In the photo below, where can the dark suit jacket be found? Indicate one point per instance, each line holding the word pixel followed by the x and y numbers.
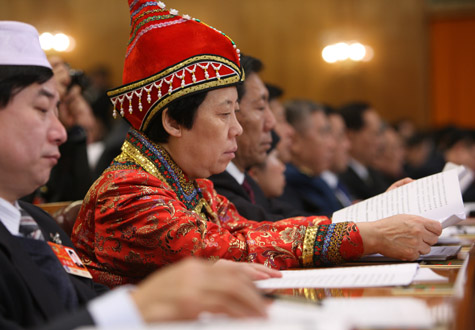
pixel 263 210
pixel 27 299
pixel 309 194
pixel 360 189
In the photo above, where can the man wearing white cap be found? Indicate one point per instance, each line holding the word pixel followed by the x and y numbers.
pixel 35 287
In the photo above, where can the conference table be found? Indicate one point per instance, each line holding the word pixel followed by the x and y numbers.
pixel 447 308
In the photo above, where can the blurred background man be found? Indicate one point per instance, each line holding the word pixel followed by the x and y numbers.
pixel 364 130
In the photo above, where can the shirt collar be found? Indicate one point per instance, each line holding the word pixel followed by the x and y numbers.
pixel 235 172
pixel 10 216
pixel 359 168
pixel 330 178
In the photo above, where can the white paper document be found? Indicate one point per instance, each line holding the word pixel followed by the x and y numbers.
pixel 437 253
pixel 344 277
pixel 380 312
pixel 334 314
pixel 465 175
pixel 428 275
pixel 435 197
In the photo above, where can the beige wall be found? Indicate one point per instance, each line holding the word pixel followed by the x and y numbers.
pixel 287 35
pixel 100 27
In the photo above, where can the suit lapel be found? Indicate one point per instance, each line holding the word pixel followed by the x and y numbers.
pixel 83 286
pixel 259 196
pixel 227 181
pixel 41 290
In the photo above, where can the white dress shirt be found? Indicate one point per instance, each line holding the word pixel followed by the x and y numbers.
pixel 235 173
pixel 332 181
pixel 359 168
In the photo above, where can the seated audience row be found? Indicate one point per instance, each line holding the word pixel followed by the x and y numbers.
pixel 154 206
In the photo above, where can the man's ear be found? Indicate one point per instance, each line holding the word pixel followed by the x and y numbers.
pixel 296 146
pixel 170 125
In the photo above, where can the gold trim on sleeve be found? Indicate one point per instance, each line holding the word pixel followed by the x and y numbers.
pixel 308 246
pixel 334 255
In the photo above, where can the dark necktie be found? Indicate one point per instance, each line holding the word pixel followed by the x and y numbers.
pixel 42 254
pixel 341 195
pixel 247 187
pixel 28 227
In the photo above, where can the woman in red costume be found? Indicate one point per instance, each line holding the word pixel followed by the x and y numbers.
pixel 153 205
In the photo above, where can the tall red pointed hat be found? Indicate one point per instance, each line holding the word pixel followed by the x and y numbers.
pixel 170 56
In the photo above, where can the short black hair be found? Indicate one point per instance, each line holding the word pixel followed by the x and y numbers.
pixel 418 138
pixel 274 91
pixel 14 78
pixel 329 110
pixel 449 136
pixel 250 65
pixel 297 112
pixel 353 113
pixel 182 110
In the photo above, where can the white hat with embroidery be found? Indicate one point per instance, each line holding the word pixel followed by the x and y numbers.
pixel 20 45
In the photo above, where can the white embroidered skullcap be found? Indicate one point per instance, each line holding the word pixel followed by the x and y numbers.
pixel 20 45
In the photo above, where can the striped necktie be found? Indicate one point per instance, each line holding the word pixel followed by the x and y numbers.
pixel 247 187
pixel 28 227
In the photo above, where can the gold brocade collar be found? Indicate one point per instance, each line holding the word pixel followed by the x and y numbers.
pixel 154 159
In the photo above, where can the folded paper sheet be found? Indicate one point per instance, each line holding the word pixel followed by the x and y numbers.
pixel 436 197
pixel 344 277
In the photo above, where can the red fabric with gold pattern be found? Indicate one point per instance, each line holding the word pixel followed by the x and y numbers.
pixel 139 217
pixel 170 56
pixel 352 243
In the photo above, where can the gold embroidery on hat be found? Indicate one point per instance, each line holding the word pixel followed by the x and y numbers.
pixel 142 83
pixel 151 113
pixel 167 76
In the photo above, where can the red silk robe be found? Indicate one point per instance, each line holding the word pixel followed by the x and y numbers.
pixel 144 213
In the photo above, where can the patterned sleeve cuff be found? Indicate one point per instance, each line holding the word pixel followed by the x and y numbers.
pixel 308 245
pixel 351 247
pixel 331 244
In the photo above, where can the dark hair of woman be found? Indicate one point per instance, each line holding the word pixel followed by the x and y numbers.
pixel 14 78
pixel 182 110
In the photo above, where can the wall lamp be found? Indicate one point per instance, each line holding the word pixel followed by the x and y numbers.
pixel 344 51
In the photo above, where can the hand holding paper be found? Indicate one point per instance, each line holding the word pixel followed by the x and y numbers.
pixel 400 218
pixel 402 237
pixel 436 197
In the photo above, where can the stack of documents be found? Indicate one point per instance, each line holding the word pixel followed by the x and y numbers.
pixel 436 197
pixel 344 277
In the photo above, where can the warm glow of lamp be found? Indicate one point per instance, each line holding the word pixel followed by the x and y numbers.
pixel 357 51
pixel 60 42
pixel 369 54
pixel 329 55
pixel 343 51
pixel 46 41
